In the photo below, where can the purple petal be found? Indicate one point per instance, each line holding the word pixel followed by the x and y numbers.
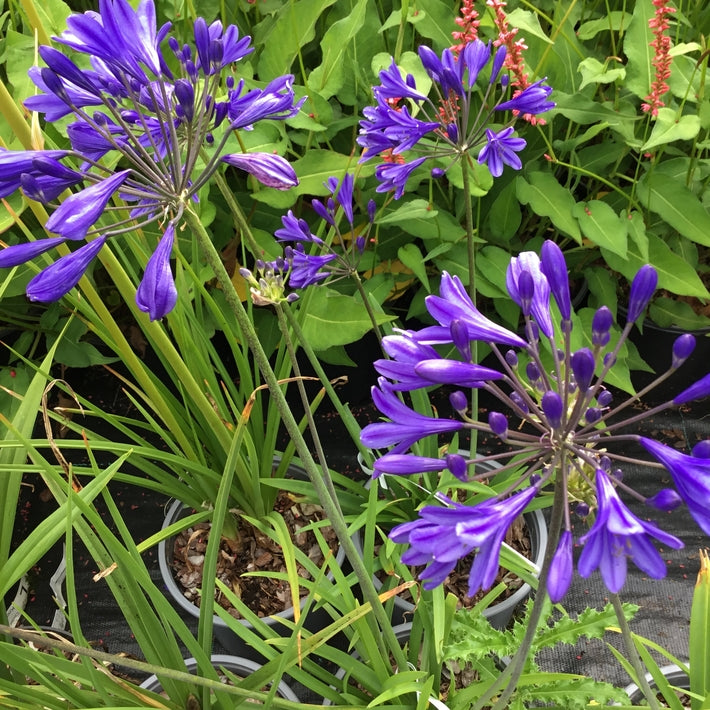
pixel 20 253
pixel 156 294
pixel 270 170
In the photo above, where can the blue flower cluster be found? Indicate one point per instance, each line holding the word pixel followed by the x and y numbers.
pixel 563 437
pixel 453 124
pixel 160 121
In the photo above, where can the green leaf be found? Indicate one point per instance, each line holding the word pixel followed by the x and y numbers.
pixel 610 22
pixel 637 232
pixel 637 47
pixel 547 198
pixel 411 256
pixel 413 210
pixel 594 72
pixel 328 78
pixel 674 273
pixel 667 312
pixel 335 319
pixel 668 128
pixel 675 204
pixel 581 109
pixel 284 35
pixel 601 225
pixel 505 215
pixel 529 23
pixel 437 22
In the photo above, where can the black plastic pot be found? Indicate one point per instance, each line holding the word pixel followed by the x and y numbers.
pixel 241 667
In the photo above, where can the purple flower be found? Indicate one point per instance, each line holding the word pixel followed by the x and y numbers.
pixel 15 164
pixel 296 230
pixel 270 170
pixel 642 289
pixel 529 262
pixel 697 390
pixel 561 568
pixel 552 264
pixel 501 149
pixel 156 294
pixel 60 277
pixel 405 426
pixel 450 372
pixel 20 253
pixel 691 476
pixel 393 176
pixel 443 536
pixel 275 101
pixel 306 269
pixel 454 303
pixel 392 86
pixel 533 100
pixel 73 218
pixel 405 353
pixel 617 534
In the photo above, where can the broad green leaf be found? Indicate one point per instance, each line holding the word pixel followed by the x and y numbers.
pixel 637 47
pixel 20 51
pixel 602 287
pixel 440 226
pixel 581 109
pixel 594 72
pixel 411 256
pixel 327 78
pixel 412 210
pixel 636 230
pixel 335 319
pixel 437 23
pixel 504 216
pixel 674 273
pixel 529 23
pixel 675 204
pixel 547 198
pixel 53 15
pixel 668 128
pixel 492 264
pixel 601 225
pixel 481 180
pixel 610 22
pixel 286 34
pixel 667 312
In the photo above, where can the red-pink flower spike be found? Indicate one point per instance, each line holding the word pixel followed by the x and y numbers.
pixel 468 22
pixel 514 58
pixel 661 44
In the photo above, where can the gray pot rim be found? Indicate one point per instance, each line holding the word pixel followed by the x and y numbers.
pixel 174 510
pixel 235 664
pixel 670 672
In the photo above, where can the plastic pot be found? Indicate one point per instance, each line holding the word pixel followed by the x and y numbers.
pixel 673 674
pixel 241 667
pixel 316 618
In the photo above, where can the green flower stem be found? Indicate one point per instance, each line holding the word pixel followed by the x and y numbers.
pixel 510 676
pixel 314 474
pixel 343 411
pixel 632 653
pixel 471 249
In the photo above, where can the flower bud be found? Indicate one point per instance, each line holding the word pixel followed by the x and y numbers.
pixel 519 402
pixel 582 362
pixel 601 326
pixel 532 371
pixel 553 265
pixel 605 463
pixel 682 349
pixel 552 407
pixel 642 289
pixel 666 499
pixel 560 575
pixel 511 357
pixel 592 415
pixel 459 337
pixel 604 398
pixel 459 401
pixel 701 450
pixel 582 509
pixel 499 424
pixel 437 173
pixel 526 291
pixel 458 465
pixel 696 391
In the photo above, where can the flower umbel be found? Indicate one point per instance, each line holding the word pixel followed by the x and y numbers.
pixel 159 121
pixel 555 417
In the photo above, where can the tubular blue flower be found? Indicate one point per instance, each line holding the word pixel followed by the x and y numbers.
pixel 15 164
pixel 583 364
pixel 447 372
pixel 443 536
pixel 399 464
pixel 343 193
pixel 533 100
pixel 500 149
pixel 683 347
pixel 697 390
pixel 394 87
pixel 60 277
pixel 296 230
pixel 306 269
pixel 447 71
pixel 616 534
pixel 691 477
pixel 552 264
pixel 454 303
pixel 156 294
pixel 393 176
pixel 642 289
pixel 20 253
pixel 275 102
pixel 601 326
pixel 405 353
pixel 270 170
pixel 561 568
pixel 551 404
pixel 73 218
pixel 529 261
pixel 405 426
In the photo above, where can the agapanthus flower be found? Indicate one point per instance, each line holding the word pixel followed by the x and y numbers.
pixel 556 417
pixel 153 117
pixel 454 123
pixel 314 258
